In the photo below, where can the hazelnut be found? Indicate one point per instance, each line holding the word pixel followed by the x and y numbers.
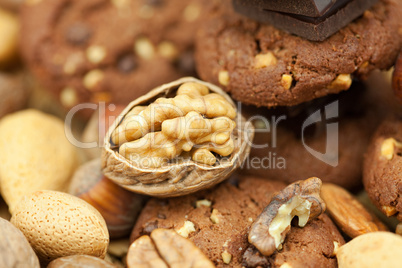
pixel 215 216
pixel 301 199
pixel 83 261
pixel 117 206
pixel 165 248
pixel 13 93
pixel 42 152
pixel 15 249
pixel 57 224
pixel 165 140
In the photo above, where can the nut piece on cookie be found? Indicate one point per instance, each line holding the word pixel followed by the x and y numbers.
pixel 348 213
pixel 388 148
pixel 187 129
pixel 165 248
pixel 301 199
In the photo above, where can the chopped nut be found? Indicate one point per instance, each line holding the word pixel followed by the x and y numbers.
pixel 146 12
pixel 144 48
pixel 204 202
pixel 93 78
pixel 187 229
pixel 101 97
pixel 164 248
pixel 120 3
pixel 72 62
pixel 168 50
pixel 215 216
pixel 341 82
pixel 285 265
pixel 301 199
pixel 265 60
pixel 96 54
pixel 32 2
pixel 336 248
pixel 348 213
pixel 224 78
pixel 68 97
pixel 226 257
pixel 192 12
pixel 389 210
pixel 388 148
pixel 364 64
pixel 286 81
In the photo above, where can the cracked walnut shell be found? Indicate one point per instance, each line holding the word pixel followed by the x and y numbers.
pixel 179 138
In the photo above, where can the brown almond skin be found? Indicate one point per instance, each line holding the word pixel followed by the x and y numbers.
pixel 117 206
pixel 397 78
pixel 348 213
pixel 80 261
pixel 15 251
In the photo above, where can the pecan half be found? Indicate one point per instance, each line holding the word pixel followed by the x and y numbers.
pixel 166 248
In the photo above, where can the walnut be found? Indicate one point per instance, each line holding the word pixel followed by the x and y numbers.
pixel 301 199
pixel 177 139
pixel 165 248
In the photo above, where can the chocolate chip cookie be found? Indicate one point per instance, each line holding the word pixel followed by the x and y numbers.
pixel 112 51
pixel 332 149
pixel 264 66
pixel 383 168
pixel 218 222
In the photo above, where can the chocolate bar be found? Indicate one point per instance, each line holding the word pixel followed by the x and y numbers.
pixel 320 28
pixel 310 8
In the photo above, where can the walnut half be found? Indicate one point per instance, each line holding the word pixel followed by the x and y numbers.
pixel 165 248
pixel 301 199
pixel 179 138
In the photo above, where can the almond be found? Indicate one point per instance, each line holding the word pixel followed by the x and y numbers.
pixel 348 213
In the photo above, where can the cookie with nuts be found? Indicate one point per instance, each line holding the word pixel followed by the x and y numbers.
pixel 283 147
pixel 218 222
pixel 264 66
pixel 382 176
pixel 110 51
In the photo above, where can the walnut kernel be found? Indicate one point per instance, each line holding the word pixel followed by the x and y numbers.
pixel 301 199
